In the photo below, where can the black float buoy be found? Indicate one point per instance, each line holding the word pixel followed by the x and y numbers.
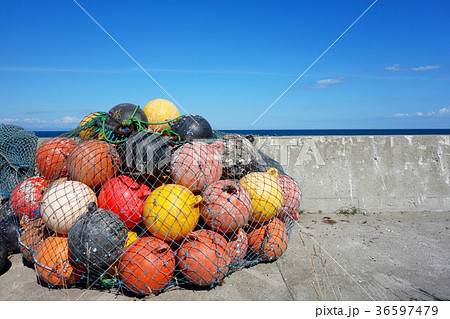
pixel 3 254
pixel 120 113
pixel 145 154
pixel 8 229
pixel 97 238
pixel 123 111
pixel 192 127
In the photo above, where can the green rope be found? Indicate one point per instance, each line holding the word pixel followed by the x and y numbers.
pixel 128 122
pixel 211 140
pixel 139 125
pixel 132 120
pixel 90 124
pixel 108 281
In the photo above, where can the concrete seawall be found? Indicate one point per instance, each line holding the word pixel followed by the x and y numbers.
pixel 372 173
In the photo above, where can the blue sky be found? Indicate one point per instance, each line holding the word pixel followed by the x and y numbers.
pixel 228 61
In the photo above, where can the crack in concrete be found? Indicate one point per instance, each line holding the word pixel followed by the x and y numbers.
pixel 285 282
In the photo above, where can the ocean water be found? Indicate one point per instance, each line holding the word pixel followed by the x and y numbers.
pixel 315 132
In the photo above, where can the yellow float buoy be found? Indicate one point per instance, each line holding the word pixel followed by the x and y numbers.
pixel 158 111
pixel 88 132
pixel 265 193
pixel 132 236
pixel 171 211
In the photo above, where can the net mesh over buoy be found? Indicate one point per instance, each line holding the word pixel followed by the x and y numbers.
pixel 142 211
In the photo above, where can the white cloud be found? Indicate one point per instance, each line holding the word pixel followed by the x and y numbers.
pixel 323 84
pixel 406 115
pixel 442 112
pixel 425 68
pixel 393 68
pixel 34 120
pixel 67 120
pixel 8 120
pixel 397 68
pixel 41 122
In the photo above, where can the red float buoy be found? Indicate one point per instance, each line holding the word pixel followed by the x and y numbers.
pixel 26 196
pixel 125 197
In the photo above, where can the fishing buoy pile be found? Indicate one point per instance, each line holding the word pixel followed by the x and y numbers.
pixel 144 199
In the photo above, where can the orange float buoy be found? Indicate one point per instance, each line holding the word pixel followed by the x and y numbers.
pixel 93 162
pixel 268 241
pixel 51 157
pixel 292 196
pixel 226 206
pixel 54 263
pixel 237 247
pixel 203 257
pixel 147 266
pixel 196 165
pixel 34 232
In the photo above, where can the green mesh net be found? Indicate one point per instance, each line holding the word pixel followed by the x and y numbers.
pixel 117 204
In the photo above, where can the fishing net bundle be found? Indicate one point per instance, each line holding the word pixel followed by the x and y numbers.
pixel 140 206
pixel 17 150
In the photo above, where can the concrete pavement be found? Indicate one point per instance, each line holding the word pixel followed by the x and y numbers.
pixel 375 256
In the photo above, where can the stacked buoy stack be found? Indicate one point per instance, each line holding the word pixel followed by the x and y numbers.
pixel 144 199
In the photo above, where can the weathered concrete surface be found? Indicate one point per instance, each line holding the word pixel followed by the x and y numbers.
pixel 372 173
pixel 377 256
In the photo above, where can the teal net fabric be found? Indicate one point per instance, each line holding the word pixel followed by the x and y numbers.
pixel 17 152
